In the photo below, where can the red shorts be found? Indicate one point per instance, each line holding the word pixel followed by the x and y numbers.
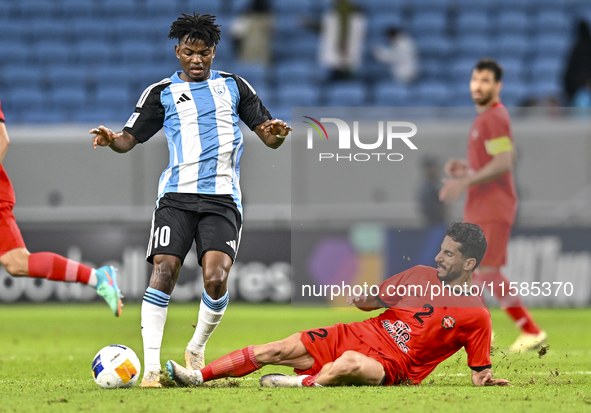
pixel 327 344
pixel 497 237
pixel 10 235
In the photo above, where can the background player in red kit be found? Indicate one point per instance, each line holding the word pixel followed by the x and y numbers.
pixel 19 262
pixel 402 345
pixel 491 200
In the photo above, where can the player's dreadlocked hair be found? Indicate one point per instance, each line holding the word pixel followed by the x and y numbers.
pixel 471 238
pixel 196 27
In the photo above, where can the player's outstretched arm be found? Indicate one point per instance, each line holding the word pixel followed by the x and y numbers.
pixel 485 378
pixel 119 142
pixel 273 132
pixel 364 302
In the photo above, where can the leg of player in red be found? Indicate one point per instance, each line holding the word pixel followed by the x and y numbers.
pixel 489 273
pixel 15 258
pixel 351 368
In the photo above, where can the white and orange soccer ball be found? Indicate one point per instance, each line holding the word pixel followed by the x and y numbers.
pixel 115 366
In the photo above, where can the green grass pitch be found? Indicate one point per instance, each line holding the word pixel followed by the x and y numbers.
pixel 46 352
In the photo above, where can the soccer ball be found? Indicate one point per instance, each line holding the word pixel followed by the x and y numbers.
pixel 115 366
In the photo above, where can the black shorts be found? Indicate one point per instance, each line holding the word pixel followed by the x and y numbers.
pixel 212 221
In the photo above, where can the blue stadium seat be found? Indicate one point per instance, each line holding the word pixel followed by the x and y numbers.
pixel 460 70
pixel 239 6
pixel 391 94
pixel 511 6
pixel 378 24
pixel 12 31
pixel 439 6
pixel 134 52
pixel 546 69
pixel 298 96
pixel 67 76
pixel 99 115
pixel 553 4
pixel 256 75
pixel 514 94
pixel 131 29
pixel 472 22
pixel 304 47
pixel 553 22
pixel 471 5
pixel 513 69
pixel 460 94
pixel 115 98
pixel 84 28
pixel 202 6
pixel 19 76
pixel 91 52
pixel 434 69
pixel 474 46
pixel 547 89
pixel 346 94
pixel 298 72
pixel 512 46
pixel 511 22
pixel 115 8
pixel 552 45
pixel 36 8
pixel 50 52
pixel 377 7
pixel 434 46
pixel 76 8
pixel 23 97
pixel 112 75
pixel 67 98
pixel 431 94
pixel 45 115
pixel 428 22
pixel 13 52
pixel 44 29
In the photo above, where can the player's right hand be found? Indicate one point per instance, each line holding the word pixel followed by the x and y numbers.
pixel 456 168
pixel 103 136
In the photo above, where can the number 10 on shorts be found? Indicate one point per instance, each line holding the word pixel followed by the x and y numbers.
pixel 162 236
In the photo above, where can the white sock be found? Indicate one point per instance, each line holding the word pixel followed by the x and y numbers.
pixel 210 315
pixel 154 310
pixel 92 280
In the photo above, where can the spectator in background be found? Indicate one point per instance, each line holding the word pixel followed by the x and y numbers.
pixel 434 211
pixel 579 63
pixel 252 33
pixel 342 36
pixel 401 54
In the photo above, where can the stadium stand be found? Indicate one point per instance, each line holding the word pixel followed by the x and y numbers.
pixel 53 51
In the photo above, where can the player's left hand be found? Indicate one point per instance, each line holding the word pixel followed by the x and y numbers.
pixel 489 381
pixel 452 189
pixel 276 127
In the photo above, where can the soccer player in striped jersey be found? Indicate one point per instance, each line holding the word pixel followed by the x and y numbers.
pixel 199 196
pixel 491 200
pixel 19 262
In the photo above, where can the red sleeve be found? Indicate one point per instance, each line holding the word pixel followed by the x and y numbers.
pixel 1 113
pixel 477 342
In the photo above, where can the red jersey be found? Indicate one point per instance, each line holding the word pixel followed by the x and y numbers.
pixel 420 332
pixel 6 191
pixel 495 200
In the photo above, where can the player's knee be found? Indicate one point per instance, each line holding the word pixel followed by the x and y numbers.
pixel 215 280
pixel 349 364
pixel 13 267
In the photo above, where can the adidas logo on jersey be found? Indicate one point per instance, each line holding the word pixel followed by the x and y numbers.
pixel 183 98
pixel 232 244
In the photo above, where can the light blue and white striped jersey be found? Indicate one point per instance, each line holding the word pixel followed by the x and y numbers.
pixel 200 121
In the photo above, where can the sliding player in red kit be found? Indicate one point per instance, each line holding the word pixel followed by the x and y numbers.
pixel 19 262
pixel 430 316
pixel 491 200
